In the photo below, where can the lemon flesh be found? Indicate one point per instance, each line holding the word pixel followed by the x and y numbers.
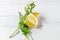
pixel 31 21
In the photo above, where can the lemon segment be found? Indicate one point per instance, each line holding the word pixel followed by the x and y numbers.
pixel 35 14
pixel 31 21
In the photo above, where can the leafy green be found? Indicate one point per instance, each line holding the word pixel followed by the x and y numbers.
pixel 20 15
pixel 28 8
pixel 24 28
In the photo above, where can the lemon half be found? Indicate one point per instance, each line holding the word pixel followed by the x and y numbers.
pixel 31 21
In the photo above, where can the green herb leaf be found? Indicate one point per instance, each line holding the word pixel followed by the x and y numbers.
pixel 20 15
pixel 28 8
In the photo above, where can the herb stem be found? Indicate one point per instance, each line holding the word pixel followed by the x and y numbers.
pixel 14 33
pixel 27 38
pixel 31 36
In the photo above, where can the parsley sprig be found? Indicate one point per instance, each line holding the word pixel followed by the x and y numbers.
pixel 23 27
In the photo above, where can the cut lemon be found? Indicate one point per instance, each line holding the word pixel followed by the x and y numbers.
pixel 31 21
pixel 35 14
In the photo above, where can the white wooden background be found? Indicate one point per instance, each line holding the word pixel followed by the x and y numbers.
pixel 49 9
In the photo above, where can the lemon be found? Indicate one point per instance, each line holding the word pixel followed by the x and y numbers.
pixel 35 14
pixel 31 20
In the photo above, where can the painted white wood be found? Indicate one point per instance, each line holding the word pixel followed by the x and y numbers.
pixel 49 9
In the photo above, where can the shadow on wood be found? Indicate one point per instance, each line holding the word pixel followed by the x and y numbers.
pixel 41 19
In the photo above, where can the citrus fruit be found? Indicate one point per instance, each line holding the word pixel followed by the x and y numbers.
pixel 31 20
